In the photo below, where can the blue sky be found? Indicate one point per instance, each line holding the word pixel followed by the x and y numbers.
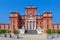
pixel 13 5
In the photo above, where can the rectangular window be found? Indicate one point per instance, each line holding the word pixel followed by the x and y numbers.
pixel 40 23
pixel 53 26
pixel 8 27
pixel 47 26
pixel 4 26
pixel 57 26
pixel 13 26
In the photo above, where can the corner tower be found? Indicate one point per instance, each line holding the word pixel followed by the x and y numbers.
pixel 14 21
pixel 47 20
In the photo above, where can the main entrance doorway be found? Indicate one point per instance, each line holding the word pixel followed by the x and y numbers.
pixel 30 25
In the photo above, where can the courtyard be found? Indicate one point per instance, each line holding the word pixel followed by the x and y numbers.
pixel 30 37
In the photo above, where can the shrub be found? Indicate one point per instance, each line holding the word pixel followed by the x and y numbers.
pixel 2 31
pixel 53 31
pixel 16 31
pixel 8 31
pixel 58 31
pixel 48 31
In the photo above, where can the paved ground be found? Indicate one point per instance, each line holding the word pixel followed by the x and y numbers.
pixel 30 37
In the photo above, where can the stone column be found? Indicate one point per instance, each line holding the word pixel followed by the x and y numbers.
pixel 28 25
pixel 35 24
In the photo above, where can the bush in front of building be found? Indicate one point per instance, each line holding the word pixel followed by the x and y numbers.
pixel 53 31
pixel 16 33
pixel 49 33
pixel 58 31
pixel 2 32
pixel 8 31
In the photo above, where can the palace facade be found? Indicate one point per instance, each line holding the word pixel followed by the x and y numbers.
pixel 30 21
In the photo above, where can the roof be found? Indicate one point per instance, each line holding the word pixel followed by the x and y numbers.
pixel 4 23
pixel 56 23
pixel 31 7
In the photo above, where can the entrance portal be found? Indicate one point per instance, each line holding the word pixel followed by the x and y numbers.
pixel 30 24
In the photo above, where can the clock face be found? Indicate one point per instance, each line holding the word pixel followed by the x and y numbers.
pixel 30 13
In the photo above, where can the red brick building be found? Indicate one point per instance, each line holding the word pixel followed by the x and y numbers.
pixel 30 21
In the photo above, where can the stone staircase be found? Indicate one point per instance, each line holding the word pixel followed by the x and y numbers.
pixel 31 32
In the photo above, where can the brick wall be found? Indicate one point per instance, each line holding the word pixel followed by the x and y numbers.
pixel 5 26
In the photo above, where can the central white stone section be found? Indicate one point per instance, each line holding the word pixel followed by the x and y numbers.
pixel 30 23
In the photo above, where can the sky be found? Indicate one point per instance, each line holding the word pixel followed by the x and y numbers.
pixel 42 5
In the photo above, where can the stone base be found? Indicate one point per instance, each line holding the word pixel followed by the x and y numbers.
pixel 22 31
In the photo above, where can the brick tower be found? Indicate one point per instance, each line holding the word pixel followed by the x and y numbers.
pixel 14 20
pixel 47 20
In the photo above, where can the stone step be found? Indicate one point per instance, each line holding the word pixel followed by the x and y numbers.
pixel 31 32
